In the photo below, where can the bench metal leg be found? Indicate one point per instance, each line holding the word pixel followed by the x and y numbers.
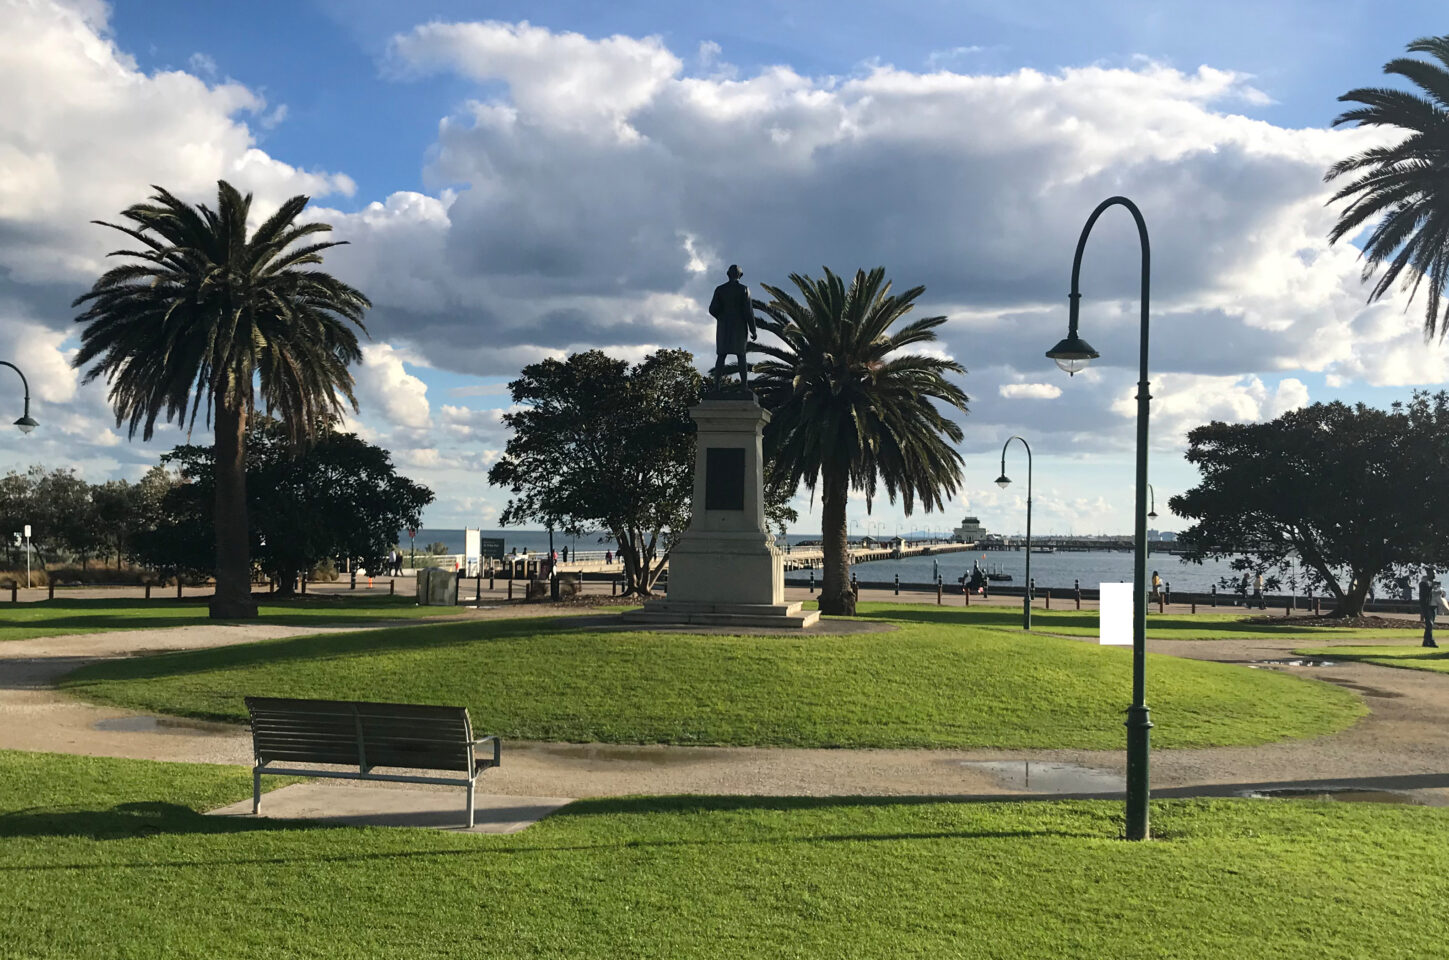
pixel 256 791
pixel 471 784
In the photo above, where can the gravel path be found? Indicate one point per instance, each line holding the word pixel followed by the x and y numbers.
pixel 1401 745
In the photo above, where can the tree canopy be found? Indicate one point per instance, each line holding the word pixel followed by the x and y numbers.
pixel 1402 190
pixel 1348 491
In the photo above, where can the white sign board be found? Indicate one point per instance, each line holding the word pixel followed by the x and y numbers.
pixel 472 549
pixel 1115 615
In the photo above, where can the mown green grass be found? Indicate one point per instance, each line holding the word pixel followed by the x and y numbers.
pixel 1416 657
pixel 923 685
pixel 105 858
pixel 1083 623
pixel 49 618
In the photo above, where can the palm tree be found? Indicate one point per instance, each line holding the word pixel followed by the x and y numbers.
pixel 1405 186
pixel 851 411
pixel 211 316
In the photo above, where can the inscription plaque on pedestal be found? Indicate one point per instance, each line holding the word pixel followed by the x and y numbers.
pixel 724 478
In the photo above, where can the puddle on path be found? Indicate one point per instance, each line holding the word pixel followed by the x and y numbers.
pixel 654 756
pixel 1293 663
pixel 176 726
pixel 1342 794
pixel 1045 777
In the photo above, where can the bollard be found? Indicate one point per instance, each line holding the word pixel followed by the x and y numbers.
pixel 938 591
pixel 1315 606
pixel 15 591
pixel 1287 608
pixel 271 584
pixel 353 578
pixel 1161 602
pixel 1048 595
pixel 1077 589
pixel 50 590
pixel 510 588
pixel 369 583
pixel 178 586
pixel 898 584
pixel 1194 606
pixel 614 587
pixel 303 578
pixel 148 592
pixel 1215 595
pixel 1167 593
pixel 391 587
pixel 490 582
pixel 965 592
pixel 812 579
pixel 478 590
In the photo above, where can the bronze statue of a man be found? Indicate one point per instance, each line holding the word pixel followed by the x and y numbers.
pixel 735 317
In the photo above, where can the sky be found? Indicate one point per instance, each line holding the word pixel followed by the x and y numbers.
pixel 523 180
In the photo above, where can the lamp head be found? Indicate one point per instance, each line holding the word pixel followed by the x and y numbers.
pixel 26 424
pixel 1073 353
pixel 1152 515
pixel 1003 481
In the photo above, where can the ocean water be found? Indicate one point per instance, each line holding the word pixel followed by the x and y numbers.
pixel 1057 571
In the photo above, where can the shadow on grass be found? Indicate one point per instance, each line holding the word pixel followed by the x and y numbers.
pixel 310 648
pixel 114 614
pixel 127 821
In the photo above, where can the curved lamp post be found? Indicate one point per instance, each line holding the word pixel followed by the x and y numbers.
pixel 1003 481
pixel 1073 354
pixel 1151 507
pixel 25 423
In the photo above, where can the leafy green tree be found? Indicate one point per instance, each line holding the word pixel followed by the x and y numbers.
pixel 1403 189
pixel 598 445
pixel 852 410
pixel 1348 491
pixel 208 315
pixel 342 500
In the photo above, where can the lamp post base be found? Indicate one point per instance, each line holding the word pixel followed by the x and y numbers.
pixel 1139 735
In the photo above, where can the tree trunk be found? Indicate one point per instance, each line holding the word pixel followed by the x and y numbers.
pixel 233 598
pixel 1350 603
pixel 836 597
pixel 286 581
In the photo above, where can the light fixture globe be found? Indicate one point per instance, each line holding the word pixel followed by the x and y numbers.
pixel 1003 481
pixel 1152 515
pixel 26 424
pixel 1073 354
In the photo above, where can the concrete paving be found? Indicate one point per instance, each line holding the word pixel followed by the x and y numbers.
pixel 359 804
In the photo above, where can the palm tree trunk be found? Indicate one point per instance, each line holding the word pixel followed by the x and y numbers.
pixel 233 598
pixel 836 597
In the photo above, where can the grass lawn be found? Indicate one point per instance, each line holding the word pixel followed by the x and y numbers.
pixel 924 685
pixel 109 858
pixel 1074 623
pixel 1414 657
pixel 49 618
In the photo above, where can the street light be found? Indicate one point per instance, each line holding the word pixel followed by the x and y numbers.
pixel 1072 354
pixel 1003 481
pixel 25 423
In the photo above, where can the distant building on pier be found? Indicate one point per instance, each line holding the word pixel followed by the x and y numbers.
pixel 970 531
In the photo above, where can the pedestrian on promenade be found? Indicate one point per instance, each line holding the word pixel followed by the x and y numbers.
pixel 608 557
pixel 1426 606
pixel 1156 585
pixel 565 554
pixel 1258 590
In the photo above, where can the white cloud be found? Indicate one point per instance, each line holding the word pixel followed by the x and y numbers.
pixel 1030 391
pixel 383 383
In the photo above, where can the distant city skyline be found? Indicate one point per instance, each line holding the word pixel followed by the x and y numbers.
pixel 521 180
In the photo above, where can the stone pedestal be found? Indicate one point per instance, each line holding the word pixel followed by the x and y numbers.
pixel 725 569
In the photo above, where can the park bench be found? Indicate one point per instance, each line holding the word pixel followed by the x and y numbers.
pixel 365 736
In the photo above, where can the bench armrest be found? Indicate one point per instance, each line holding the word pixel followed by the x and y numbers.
pixel 497 749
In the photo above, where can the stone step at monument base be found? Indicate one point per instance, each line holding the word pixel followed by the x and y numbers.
pixel 663 613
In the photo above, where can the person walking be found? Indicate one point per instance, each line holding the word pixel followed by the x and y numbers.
pixel 1426 606
pixel 608 557
pixel 1156 585
pixel 1258 591
pixel 565 554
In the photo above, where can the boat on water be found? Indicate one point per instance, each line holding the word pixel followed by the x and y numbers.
pixel 999 577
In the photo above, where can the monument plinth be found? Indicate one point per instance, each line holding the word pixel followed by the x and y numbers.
pixel 726 570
